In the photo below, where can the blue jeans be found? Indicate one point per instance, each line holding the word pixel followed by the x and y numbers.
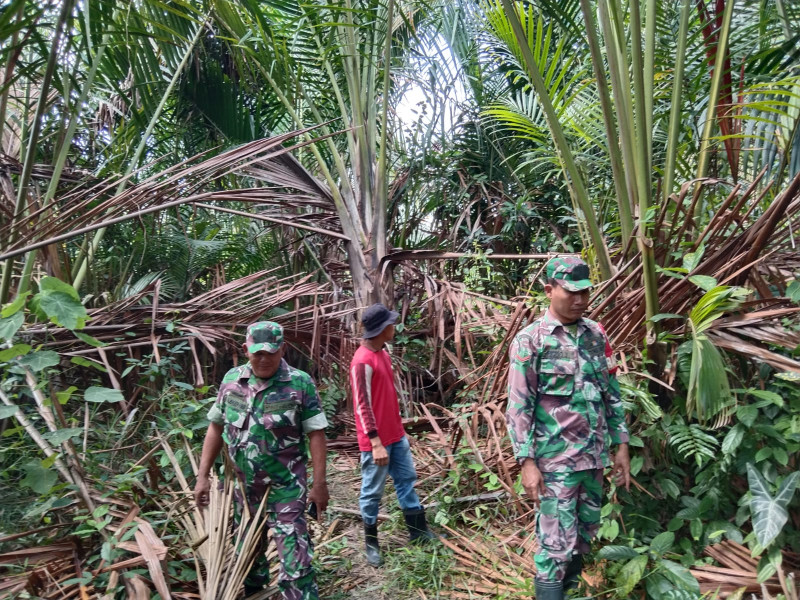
pixel 373 480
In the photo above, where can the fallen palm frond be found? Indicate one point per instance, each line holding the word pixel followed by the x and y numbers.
pixel 739 571
pixel 213 323
pixel 223 552
pixel 101 204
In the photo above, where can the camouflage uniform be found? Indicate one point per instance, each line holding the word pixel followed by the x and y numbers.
pixel 264 422
pixel 564 411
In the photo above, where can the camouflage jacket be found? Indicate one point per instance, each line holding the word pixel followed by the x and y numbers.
pixel 564 408
pixel 264 425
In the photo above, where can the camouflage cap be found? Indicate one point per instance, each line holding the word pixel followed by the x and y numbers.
pixel 570 272
pixel 264 335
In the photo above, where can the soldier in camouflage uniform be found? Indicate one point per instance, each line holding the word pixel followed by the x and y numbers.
pixel 264 412
pixel 564 412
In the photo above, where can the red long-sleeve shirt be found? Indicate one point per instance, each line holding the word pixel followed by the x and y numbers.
pixel 375 403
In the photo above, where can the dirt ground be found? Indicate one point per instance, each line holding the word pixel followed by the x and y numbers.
pixel 465 565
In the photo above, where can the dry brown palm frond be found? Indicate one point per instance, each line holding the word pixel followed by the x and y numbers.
pixel 223 552
pixel 214 321
pixel 291 189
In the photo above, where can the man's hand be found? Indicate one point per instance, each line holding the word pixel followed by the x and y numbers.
pixel 319 495
pixel 379 454
pixel 622 467
pixel 532 481
pixel 201 488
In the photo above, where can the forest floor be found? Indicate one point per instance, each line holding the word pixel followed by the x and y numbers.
pixel 443 569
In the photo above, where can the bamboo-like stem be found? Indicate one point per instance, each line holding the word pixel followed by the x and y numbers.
pixel 675 108
pixel 713 97
pixel 33 142
pixel 573 176
pixel 643 154
pixel 609 121
pixel 379 216
pixel 621 89
pixel 649 67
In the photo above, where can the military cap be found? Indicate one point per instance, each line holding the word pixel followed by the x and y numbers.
pixel 570 272
pixel 264 335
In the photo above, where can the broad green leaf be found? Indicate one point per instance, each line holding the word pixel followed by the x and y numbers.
pixel 786 491
pixel 657 585
pixel 793 291
pixel 679 575
pixel 780 456
pixel 732 439
pixel 39 360
pixel 63 397
pixel 85 362
pixel 617 553
pixel 747 415
pixel 11 353
pixel 630 574
pixel 763 454
pixel 775 557
pixel 102 394
pixel 53 284
pixel 674 524
pixel 776 399
pixel 63 310
pixel 765 569
pixel 769 514
pixel 60 436
pixel 696 528
pixel 704 282
pixel 678 595
pixel 14 307
pixel 39 479
pixel 10 325
pixel 612 530
pixel 8 411
pixel 788 376
pixel 107 552
pixel 663 316
pixel 670 488
pixel 662 543
pixel 92 341
pixel 692 259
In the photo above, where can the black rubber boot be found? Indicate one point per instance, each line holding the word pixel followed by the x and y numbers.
pixel 549 590
pixel 371 546
pixel 572 572
pixel 418 532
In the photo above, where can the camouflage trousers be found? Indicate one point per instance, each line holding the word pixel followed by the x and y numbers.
pixel 286 519
pixel 569 517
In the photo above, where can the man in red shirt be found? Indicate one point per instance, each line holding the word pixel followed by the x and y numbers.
pixel 381 438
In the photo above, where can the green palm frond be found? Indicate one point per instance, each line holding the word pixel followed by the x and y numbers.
pixel 708 388
pixel 691 442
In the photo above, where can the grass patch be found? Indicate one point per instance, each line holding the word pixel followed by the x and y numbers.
pixel 426 567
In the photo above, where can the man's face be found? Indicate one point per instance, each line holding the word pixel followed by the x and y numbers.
pixel 265 364
pixel 567 306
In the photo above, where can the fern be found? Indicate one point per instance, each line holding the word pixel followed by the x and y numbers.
pixel 692 442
